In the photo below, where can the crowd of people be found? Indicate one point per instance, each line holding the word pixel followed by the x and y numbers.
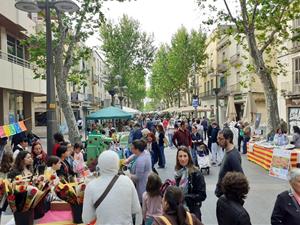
pixel 139 196
pixel 178 200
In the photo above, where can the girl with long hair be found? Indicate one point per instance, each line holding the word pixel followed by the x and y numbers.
pixel 39 158
pixel 174 211
pixel 152 199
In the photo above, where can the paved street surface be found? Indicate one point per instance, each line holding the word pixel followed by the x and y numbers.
pixel 260 201
pixel 261 198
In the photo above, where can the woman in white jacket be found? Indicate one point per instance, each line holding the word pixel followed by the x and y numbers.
pixel 120 203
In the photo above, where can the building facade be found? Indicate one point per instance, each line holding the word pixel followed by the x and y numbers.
pixel 17 86
pixel 226 74
pixel 289 83
pixel 93 96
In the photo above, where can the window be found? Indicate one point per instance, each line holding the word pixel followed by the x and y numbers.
pixel 296 25
pixel 296 70
pixel 207 87
pixel 14 48
pixel 238 75
pixel 223 56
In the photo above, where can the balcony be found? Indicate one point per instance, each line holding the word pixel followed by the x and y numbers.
pixel 77 97
pixel 235 59
pixel 290 89
pixel 207 94
pixel 19 75
pixel 209 70
pixel 88 98
pixel 222 67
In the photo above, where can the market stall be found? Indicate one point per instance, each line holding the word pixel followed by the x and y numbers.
pixel 96 143
pixel 261 153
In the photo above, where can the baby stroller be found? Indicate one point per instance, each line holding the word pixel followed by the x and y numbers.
pixel 203 158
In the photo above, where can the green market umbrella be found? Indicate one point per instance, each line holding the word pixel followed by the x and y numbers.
pixel 109 113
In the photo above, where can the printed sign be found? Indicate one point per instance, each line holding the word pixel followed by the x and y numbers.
pixel 195 102
pixel 294 118
pixel 280 163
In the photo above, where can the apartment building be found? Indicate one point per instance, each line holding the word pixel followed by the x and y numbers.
pixel 17 86
pixel 93 96
pixel 289 84
pixel 226 73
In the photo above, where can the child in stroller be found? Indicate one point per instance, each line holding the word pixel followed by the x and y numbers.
pixel 203 158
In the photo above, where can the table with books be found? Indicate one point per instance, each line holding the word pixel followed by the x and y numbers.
pixel 261 153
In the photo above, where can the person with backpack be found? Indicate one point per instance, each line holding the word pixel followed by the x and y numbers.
pixel 152 199
pixel 190 179
pixel 174 212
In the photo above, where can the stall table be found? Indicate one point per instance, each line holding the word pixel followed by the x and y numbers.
pixel 262 155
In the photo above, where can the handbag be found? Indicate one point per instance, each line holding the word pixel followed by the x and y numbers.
pixel 109 187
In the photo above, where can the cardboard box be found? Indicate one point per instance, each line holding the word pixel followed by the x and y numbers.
pixel 60 206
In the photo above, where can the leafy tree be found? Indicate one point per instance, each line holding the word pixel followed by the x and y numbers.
pixel 69 31
pixel 264 25
pixel 129 53
pixel 173 65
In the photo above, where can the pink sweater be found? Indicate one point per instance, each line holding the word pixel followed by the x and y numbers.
pixel 151 206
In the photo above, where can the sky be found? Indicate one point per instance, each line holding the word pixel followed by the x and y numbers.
pixel 162 18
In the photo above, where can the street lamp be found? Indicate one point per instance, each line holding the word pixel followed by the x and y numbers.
pixel 216 91
pixel 35 6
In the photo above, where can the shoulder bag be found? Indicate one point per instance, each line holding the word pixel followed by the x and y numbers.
pixel 109 187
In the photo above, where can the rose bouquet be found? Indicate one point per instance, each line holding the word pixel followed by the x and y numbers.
pixel 72 193
pixel 2 189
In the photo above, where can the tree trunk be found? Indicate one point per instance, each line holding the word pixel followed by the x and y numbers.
pixel 61 87
pixel 267 82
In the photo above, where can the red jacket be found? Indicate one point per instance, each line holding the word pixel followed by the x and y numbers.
pixel 182 137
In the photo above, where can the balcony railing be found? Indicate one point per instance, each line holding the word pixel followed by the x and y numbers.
pixel 222 67
pixel 16 60
pixel 290 88
pixel 88 97
pixel 235 59
pixel 206 94
pixel 77 97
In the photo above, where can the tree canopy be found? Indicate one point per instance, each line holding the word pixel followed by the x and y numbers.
pixel 173 65
pixel 129 53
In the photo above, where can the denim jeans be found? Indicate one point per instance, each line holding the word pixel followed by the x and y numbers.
pixel 170 137
pixel 194 156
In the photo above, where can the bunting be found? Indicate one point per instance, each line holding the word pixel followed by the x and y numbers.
pixel 12 129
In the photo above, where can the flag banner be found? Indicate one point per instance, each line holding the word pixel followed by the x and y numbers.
pixel 12 129
pixel 22 125
pixel 6 130
pixel 17 128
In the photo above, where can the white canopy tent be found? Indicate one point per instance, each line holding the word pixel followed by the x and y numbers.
pixel 131 110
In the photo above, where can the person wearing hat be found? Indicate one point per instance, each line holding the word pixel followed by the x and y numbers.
pixel 120 203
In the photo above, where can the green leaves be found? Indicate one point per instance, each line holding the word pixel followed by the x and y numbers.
pixel 129 53
pixel 174 65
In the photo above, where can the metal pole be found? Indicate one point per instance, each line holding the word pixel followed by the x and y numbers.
pixel 217 101
pixel 51 102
